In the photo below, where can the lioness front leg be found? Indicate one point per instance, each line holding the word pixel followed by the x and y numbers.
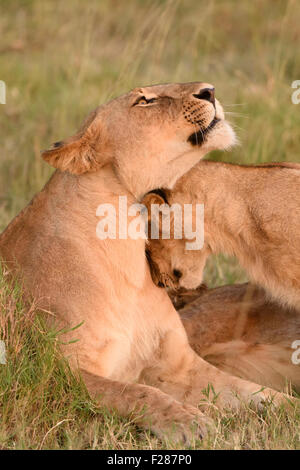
pixel 180 372
pixel 150 408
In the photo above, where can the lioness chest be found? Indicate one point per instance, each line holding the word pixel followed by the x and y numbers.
pixel 131 339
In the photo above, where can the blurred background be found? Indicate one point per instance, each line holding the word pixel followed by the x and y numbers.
pixel 60 60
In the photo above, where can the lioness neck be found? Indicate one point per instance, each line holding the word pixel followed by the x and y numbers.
pixel 66 209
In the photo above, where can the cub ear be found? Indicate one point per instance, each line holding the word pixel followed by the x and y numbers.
pixel 152 198
pixel 154 269
pixel 81 153
pixel 157 197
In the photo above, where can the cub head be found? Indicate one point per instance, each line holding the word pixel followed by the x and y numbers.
pixel 171 264
pixel 147 135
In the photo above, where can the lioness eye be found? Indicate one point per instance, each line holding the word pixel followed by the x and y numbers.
pixel 144 101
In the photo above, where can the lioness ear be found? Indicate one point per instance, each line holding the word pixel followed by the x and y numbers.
pixel 81 153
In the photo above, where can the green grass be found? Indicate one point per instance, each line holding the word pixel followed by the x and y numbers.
pixel 42 405
pixel 60 60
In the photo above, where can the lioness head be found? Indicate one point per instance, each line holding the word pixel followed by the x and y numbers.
pixel 171 264
pixel 146 135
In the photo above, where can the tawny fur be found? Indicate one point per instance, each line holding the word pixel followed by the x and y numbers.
pixel 251 212
pixel 131 348
pixel 241 331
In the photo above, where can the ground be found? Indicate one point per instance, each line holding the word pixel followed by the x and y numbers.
pixel 59 60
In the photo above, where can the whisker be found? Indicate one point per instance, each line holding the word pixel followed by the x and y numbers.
pixel 235 126
pixel 232 113
pixel 234 104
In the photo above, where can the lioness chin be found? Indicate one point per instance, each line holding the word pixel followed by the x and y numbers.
pixel 131 347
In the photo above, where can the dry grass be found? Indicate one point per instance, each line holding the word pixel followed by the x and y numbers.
pixel 59 61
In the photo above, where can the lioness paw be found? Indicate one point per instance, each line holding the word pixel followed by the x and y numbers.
pixel 181 424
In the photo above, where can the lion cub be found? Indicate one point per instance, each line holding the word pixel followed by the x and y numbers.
pixel 242 332
pixel 251 212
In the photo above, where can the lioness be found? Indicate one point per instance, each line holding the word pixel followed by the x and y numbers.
pixel 251 212
pixel 132 349
pixel 241 331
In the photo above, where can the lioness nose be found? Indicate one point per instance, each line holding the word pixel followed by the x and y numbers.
pixel 207 94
